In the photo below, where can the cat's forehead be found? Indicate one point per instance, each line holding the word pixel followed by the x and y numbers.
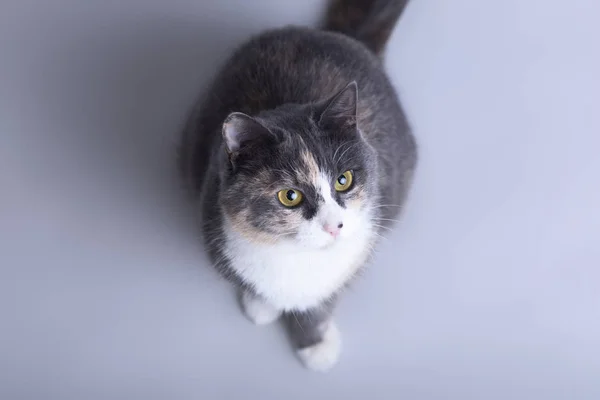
pixel 305 153
pixel 306 158
pixel 292 164
pixel 308 169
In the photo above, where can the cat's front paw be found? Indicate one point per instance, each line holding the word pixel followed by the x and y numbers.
pixel 325 354
pixel 257 310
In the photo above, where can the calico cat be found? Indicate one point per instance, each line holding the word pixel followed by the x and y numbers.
pixel 300 153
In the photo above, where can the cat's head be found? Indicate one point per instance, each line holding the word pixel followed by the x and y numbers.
pixel 300 173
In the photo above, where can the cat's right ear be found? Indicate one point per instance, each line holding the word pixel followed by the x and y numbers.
pixel 340 110
pixel 239 129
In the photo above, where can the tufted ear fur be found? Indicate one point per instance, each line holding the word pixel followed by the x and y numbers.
pixel 340 110
pixel 240 129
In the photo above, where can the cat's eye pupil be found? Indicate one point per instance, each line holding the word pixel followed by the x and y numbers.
pixel 342 180
pixel 291 195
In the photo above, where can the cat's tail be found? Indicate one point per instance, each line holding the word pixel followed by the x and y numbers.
pixel 368 21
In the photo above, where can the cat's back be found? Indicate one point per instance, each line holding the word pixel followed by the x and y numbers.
pixel 294 65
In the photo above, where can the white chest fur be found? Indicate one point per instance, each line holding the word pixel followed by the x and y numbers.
pixel 293 278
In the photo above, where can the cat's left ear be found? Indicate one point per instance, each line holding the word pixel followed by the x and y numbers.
pixel 240 129
pixel 340 110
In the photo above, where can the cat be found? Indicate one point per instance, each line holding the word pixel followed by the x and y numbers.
pixel 299 155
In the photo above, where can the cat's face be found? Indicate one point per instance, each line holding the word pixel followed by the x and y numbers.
pixel 300 173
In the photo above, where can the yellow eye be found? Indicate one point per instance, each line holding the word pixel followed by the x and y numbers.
pixel 289 197
pixel 343 182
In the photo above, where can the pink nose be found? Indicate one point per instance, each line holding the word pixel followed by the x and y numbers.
pixel 333 230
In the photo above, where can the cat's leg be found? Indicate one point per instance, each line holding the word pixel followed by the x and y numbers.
pixel 316 338
pixel 256 309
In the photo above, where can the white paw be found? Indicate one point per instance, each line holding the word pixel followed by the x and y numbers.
pixel 325 354
pixel 257 311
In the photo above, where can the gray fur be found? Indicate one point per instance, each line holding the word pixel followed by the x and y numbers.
pixel 295 86
pixel 305 328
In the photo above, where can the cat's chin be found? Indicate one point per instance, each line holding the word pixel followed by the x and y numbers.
pixel 326 246
pixel 317 243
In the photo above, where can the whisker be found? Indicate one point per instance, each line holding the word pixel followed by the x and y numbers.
pixel 386 219
pixel 300 325
pixel 379 236
pixel 383 227
pixel 282 171
pixel 336 150
pixel 387 205
pixel 352 144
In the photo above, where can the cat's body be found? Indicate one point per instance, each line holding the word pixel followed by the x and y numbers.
pixel 322 127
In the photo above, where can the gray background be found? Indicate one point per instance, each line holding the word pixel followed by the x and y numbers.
pixel 489 289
